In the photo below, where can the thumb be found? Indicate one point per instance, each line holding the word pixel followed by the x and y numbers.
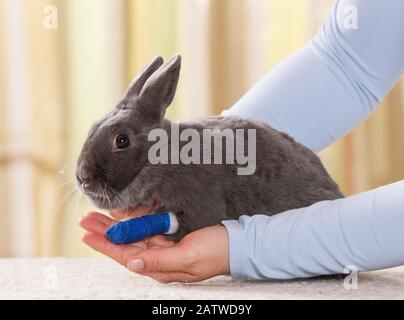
pixel 171 259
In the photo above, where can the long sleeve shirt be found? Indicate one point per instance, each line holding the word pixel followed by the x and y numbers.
pixel 317 95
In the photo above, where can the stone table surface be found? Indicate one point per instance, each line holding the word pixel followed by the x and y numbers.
pixel 94 278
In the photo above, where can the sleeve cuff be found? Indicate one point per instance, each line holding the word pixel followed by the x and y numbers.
pixel 237 248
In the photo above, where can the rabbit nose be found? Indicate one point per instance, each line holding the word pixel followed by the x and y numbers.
pixel 84 180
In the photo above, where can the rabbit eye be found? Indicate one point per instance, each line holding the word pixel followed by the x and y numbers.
pixel 122 141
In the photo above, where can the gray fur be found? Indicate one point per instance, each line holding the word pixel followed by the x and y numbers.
pixel 288 175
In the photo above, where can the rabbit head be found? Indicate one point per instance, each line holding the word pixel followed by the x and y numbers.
pixel 115 150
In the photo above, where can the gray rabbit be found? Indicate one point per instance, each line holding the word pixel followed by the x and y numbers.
pixel 114 169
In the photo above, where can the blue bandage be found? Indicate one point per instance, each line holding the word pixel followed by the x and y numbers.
pixel 139 228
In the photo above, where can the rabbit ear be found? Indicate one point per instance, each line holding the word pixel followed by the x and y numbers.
pixel 139 81
pixel 159 90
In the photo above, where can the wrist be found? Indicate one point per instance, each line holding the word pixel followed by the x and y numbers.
pixel 235 248
pixel 224 266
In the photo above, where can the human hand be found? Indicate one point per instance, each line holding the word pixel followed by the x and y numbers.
pixel 130 212
pixel 200 255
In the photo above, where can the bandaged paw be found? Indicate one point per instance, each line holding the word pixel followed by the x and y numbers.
pixel 138 229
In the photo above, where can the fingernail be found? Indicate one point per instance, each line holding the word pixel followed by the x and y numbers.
pixel 136 265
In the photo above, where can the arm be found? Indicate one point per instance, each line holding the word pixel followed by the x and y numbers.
pixel 364 230
pixel 325 89
pixel 317 95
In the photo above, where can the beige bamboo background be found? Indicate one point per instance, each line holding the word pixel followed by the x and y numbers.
pixel 55 83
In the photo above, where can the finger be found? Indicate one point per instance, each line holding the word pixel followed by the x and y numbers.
pixel 171 259
pixel 129 213
pixel 156 241
pixel 139 211
pixel 93 225
pixel 167 277
pixel 119 253
pixel 101 217
pixel 160 241
pixel 120 214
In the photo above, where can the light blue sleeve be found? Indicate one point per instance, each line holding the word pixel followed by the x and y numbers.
pixel 317 95
pixel 325 89
pixel 364 231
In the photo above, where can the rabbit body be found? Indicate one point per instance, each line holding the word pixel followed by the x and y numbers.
pixel 287 175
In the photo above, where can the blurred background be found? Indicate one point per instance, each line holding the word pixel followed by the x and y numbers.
pixel 64 63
